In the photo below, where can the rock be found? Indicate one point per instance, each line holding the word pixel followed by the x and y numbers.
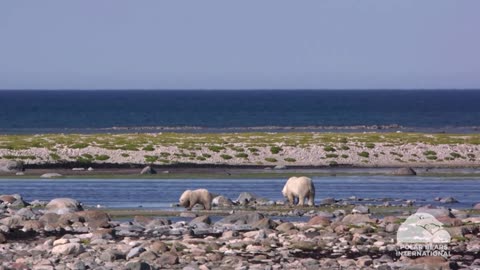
pixel 364 261
pixel 448 200
pixel 32 225
pixel 285 227
pixel 328 200
pixel 111 255
pixel 435 211
pixel 78 169
pixel 201 219
pixel 26 213
pixel 148 170
pixel 3 239
pixel 264 223
pixel 138 266
pixel 11 166
pixel 19 173
pixel 90 169
pixel 318 221
pixel 404 172
pixel 7 199
pixel 51 175
pixel 222 201
pixel 158 247
pixel 95 219
pixel 476 206
pixel 360 209
pixel 168 258
pixel 134 252
pixel 358 219
pixel 63 205
pixel 68 249
pixel 248 197
pixel 241 218
pixel 280 167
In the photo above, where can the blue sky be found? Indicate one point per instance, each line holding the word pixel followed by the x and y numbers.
pixel 248 44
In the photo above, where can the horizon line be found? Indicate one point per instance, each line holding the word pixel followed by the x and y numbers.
pixel 239 89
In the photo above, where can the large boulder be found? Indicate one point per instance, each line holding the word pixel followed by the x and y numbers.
pixel 404 172
pixel 62 206
pixel 476 206
pixel 11 166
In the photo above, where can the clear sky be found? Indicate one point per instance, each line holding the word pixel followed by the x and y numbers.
pixel 320 44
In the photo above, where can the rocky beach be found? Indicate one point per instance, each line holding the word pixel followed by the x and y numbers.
pixel 245 233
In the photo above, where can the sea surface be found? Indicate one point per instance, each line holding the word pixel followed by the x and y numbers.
pixel 36 111
pixel 161 194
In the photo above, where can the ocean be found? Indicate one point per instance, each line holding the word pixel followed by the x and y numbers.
pixel 37 111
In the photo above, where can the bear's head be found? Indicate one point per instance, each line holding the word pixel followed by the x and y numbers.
pixel 185 198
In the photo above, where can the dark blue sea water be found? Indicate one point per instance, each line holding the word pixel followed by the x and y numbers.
pixel 36 111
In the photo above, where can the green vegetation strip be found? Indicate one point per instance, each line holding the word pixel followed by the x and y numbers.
pixel 219 141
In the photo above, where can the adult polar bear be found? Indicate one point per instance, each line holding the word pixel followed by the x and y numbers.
pixel 190 198
pixel 300 188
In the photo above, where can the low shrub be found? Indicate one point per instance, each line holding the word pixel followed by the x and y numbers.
pixel 364 154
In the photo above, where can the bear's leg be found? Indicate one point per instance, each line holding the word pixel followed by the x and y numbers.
pixel 207 206
pixel 311 200
pixel 291 199
pixel 301 200
pixel 192 204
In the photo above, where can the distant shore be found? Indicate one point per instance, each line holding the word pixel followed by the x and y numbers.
pixel 220 152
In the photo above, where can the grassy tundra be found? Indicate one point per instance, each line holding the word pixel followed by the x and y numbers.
pixel 304 148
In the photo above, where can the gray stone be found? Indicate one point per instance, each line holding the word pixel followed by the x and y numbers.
pixel 11 166
pixel 329 200
pixel 134 252
pixel 240 219
pixel 435 211
pixel 360 209
pixel 404 172
pixel 448 200
pixel 280 167
pixel 222 201
pixel 138 266
pixel 200 219
pixel 248 197
pixel 62 206
pixel 148 170
pixel 111 255
pixel 68 249
pixel 50 175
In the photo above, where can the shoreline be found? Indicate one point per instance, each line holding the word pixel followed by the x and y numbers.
pixel 233 172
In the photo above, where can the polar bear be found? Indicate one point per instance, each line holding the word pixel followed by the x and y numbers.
pixel 190 198
pixel 300 188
